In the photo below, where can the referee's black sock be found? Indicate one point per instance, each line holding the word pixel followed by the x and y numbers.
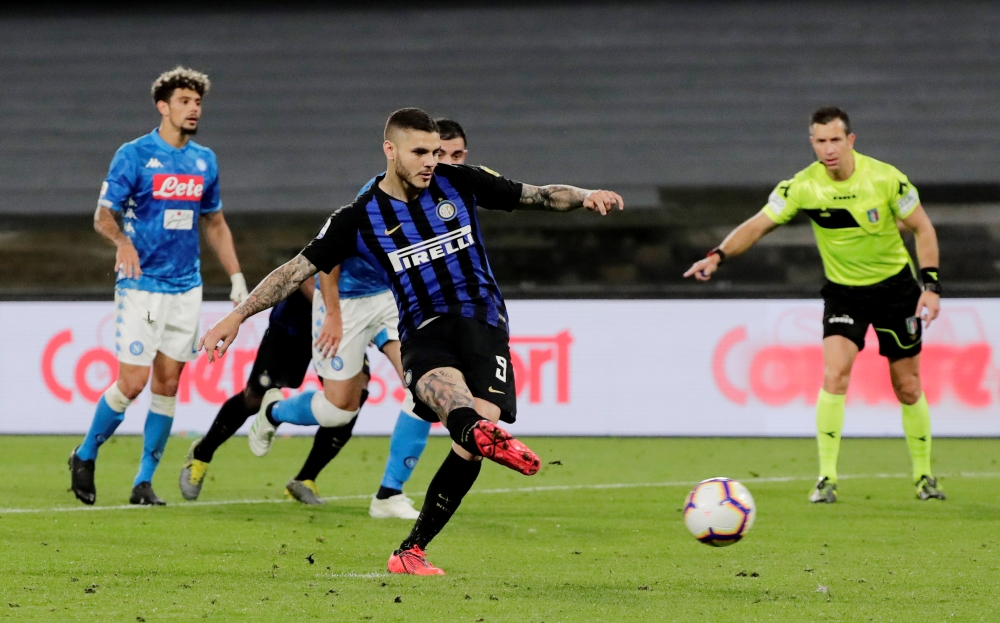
pixel 450 484
pixel 461 422
pixel 326 445
pixel 232 415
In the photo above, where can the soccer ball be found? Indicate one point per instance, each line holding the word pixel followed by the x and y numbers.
pixel 719 511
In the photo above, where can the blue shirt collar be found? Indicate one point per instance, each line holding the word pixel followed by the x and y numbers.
pixel 164 144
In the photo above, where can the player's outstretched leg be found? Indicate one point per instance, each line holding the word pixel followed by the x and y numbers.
pixel 829 426
pixel 917 427
pixel 449 486
pixel 306 409
pixel 409 438
pixel 231 416
pixel 326 445
pixel 155 434
pixel 109 414
pixel 482 437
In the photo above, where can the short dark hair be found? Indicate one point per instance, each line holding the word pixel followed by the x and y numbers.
pixel 410 119
pixel 179 78
pixel 827 114
pixel 449 129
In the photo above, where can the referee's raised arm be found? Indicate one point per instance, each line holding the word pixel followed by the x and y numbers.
pixel 737 242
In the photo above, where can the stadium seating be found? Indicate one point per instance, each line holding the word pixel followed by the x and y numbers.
pixel 691 110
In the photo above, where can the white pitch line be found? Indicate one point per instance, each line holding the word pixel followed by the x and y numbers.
pixel 592 487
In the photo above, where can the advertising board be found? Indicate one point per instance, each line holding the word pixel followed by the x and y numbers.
pixel 707 367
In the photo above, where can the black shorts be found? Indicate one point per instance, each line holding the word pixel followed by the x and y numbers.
pixel 479 351
pixel 889 306
pixel 282 361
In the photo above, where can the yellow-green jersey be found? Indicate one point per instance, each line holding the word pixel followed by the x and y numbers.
pixel 854 220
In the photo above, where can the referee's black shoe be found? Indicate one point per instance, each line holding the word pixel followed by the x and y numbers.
pixel 143 494
pixel 81 474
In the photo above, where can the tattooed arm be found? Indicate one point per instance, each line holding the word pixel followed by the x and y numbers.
pixel 272 290
pixel 276 287
pixel 562 198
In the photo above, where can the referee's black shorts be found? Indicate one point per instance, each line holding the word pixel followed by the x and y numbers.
pixel 479 351
pixel 889 306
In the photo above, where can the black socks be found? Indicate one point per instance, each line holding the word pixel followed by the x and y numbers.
pixel 452 481
pixel 267 413
pixel 461 423
pixel 384 493
pixel 232 415
pixel 326 445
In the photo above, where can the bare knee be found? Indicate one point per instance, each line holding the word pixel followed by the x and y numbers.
pixel 345 395
pixel 165 387
pixel 131 387
pixel 835 381
pixel 132 382
pixel 907 390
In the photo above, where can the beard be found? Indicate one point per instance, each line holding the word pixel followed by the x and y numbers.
pixel 189 131
pixel 403 174
pixel 410 178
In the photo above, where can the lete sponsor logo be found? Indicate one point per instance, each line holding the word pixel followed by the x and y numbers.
pixel 784 368
pixel 178 187
pixel 541 368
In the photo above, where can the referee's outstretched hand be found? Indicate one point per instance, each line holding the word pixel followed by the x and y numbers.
pixel 216 340
pixel 702 269
pixel 931 302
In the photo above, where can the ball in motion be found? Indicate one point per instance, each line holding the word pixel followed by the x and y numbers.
pixel 719 511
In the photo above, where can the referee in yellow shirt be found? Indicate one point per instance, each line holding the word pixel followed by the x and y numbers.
pixel 854 202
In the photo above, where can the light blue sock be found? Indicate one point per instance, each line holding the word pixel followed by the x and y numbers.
pixel 295 410
pixel 106 420
pixel 409 438
pixel 154 439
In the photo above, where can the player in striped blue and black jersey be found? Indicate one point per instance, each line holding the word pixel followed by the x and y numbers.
pixel 418 225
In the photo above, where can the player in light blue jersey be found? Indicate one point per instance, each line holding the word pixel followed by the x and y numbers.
pixel 164 186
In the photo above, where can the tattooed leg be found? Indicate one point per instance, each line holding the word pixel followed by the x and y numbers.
pixel 444 390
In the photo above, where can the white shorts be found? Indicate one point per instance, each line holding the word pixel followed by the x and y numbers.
pixel 366 319
pixel 150 322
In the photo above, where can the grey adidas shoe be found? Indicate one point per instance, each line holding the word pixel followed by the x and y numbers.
pixel 825 492
pixel 927 489
pixel 144 495
pixel 192 474
pixel 304 491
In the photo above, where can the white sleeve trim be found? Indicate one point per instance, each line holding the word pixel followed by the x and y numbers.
pixel 908 203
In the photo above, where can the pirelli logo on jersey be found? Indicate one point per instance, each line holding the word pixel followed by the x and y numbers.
pixel 435 248
pixel 178 187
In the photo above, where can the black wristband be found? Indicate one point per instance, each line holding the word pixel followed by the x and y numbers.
pixel 930 278
pixel 719 252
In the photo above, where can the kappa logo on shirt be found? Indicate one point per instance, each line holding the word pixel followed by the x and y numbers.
pixel 435 248
pixel 154 164
pixel 178 186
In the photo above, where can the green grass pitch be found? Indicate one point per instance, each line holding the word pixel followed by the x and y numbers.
pixel 583 546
